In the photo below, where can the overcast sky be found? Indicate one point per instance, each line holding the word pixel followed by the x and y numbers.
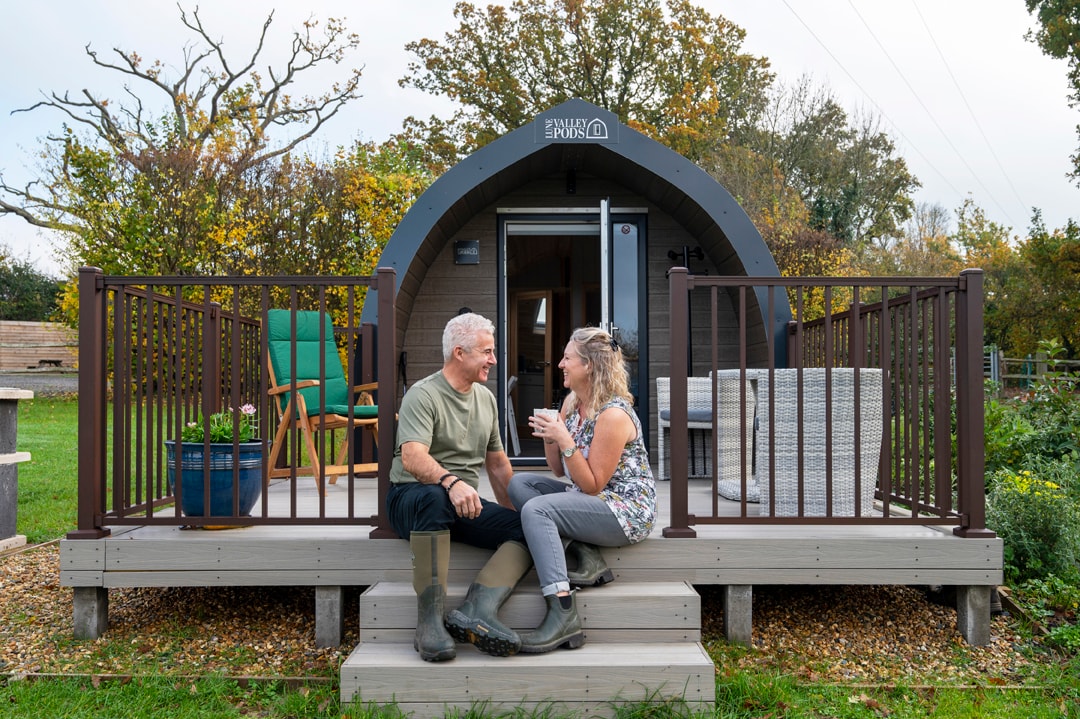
pixel 974 108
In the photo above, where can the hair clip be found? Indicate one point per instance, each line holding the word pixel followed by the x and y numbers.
pixel 614 345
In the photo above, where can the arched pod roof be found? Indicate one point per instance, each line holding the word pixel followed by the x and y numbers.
pixel 580 136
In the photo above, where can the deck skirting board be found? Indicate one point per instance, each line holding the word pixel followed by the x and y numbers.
pixel 313 578
pixel 378 560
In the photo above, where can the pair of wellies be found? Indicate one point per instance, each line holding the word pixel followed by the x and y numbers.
pixel 476 621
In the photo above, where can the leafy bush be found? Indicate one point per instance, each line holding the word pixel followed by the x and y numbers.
pixel 1050 595
pixel 25 293
pixel 1039 523
pixel 1066 637
pixel 1054 602
pixel 1044 422
pixel 1007 435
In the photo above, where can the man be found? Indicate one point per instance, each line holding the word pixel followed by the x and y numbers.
pixel 448 428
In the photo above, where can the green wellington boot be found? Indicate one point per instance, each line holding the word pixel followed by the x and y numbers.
pixel 592 570
pixel 561 626
pixel 476 621
pixel 431 559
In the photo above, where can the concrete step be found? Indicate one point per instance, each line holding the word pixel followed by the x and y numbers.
pixel 618 612
pixel 592 680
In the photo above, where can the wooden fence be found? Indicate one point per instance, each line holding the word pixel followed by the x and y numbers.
pixel 32 345
pixel 1021 373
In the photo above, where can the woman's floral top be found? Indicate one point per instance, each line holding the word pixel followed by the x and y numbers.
pixel 631 491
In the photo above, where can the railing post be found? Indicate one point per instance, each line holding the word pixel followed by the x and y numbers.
pixel 969 407
pixel 680 341
pixel 211 360
pixel 385 278
pixel 91 459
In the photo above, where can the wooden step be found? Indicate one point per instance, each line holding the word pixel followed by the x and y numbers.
pixel 617 612
pixel 591 680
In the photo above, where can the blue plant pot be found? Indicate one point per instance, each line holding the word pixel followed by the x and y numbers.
pixel 249 457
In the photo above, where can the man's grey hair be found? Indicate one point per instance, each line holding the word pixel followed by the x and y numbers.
pixel 461 332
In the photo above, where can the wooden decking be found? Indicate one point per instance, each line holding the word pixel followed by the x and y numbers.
pixel 338 556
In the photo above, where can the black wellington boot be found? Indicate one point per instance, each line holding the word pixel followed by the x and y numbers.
pixel 561 626
pixel 592 570
pixel 476 621
pixel 431 558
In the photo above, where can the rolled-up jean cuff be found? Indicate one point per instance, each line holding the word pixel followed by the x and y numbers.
pixel 555 588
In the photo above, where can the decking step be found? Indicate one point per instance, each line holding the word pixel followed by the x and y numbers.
pixel 591 680
pixel 617 612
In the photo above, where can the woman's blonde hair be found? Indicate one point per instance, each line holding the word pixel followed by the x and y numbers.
pixel 607 370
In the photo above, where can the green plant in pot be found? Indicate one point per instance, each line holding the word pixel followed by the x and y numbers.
pixel 235 456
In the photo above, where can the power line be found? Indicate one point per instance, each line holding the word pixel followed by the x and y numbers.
pixel 872 100
pixel 926 109
pixel 884 114
pixel 974 117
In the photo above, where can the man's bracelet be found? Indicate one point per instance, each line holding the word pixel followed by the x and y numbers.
pixel 448 474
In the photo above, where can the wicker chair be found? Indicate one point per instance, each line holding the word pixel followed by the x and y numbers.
pixel 705 429
pixel 779 452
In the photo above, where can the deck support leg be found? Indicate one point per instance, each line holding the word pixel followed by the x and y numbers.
pixel 90 612
pixel 329 616
pixel 973 614
pixel 738 613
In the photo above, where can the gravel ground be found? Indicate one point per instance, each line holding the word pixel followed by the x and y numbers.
pixel 848 635
pixel 43 383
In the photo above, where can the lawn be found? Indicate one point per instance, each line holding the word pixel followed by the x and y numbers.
pixel 49 482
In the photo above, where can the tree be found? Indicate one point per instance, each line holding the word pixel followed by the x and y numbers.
pixel 141 193
pixel 678 76
pixel 987 245
pixel 846 173
pixel 335 218
pixel 923 248
pixel 25 294
pixel 1059 37
pixel 1043 301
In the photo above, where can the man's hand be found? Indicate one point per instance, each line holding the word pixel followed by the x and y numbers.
pixel 465 499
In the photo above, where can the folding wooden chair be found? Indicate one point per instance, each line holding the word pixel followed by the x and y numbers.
pixel 297 395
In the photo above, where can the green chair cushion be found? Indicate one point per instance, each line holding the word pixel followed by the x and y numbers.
pixel 309 352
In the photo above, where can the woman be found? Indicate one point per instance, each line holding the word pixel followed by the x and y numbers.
pixel 594 442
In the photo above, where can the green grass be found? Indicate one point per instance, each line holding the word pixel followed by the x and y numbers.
pixel 165 697
pixel 49 483
pixel 47 510
pixel 744 696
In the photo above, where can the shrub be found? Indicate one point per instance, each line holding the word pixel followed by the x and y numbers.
pixel 1008 435
pixel 1044 422
pixel 1038 522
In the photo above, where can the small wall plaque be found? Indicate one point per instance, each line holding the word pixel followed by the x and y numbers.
pixel 467 252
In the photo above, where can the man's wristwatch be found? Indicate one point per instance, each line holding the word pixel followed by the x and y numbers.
pixel 569 451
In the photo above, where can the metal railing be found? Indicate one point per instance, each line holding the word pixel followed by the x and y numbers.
pixel 905 331
pixel 158 353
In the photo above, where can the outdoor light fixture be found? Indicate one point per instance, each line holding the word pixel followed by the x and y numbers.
pixel 682 258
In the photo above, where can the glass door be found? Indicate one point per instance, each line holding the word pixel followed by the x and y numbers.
pixel 560 272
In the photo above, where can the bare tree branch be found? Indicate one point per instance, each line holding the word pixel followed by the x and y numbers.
pixel 219 118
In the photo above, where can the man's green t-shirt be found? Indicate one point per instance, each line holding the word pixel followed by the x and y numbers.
pixel 458 428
